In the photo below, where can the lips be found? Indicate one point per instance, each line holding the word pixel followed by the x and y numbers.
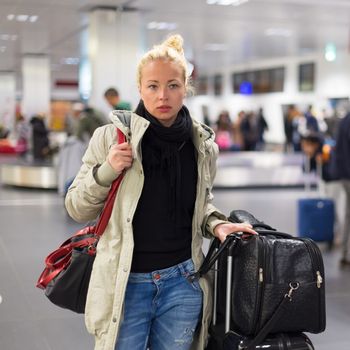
pixel 164 108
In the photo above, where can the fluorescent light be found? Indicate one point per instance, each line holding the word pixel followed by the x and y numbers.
pixel 161 26
pixel 2 48
pixel 278 32
pixel 226 2
pixel 70 60
pixel 33 18
pixel 330 53
pixel 22 18
pixel 7 37
pixel 215 47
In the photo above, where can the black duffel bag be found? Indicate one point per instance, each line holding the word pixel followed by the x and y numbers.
pixel 277 283
pixel 265 269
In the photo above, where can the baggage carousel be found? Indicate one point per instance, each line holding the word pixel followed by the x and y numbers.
pixel 22 173
pixel 235 170
pixel 262 170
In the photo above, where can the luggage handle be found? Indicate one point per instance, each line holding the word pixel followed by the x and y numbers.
pixel 319 174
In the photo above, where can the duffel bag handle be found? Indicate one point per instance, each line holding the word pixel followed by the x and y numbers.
pixel 273 233
pixel 230 241
pixel 240 216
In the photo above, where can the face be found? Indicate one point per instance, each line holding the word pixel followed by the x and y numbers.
pixel 162 89
pixel 112 100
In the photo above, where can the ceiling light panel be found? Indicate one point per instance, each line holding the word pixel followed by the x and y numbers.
pixel 161 26
pixel 22 18
pixel 226 2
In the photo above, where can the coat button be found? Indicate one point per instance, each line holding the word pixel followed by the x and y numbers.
pixel 114 319
pixel 125 269
pixel 128 220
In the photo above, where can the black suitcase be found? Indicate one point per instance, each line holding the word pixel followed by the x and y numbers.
pixel 258 305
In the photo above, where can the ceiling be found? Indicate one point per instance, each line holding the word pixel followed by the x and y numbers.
pixel 214 35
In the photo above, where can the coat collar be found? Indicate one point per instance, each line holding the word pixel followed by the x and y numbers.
pixel 129 122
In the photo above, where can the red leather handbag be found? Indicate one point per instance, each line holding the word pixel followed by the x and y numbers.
pixel 67 271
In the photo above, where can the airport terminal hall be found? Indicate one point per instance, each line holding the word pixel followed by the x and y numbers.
pixel 174 174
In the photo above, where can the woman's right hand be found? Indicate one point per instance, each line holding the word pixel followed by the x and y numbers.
pixel 120 156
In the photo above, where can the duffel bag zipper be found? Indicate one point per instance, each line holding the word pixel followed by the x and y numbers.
pixel 260 282
pixel 316 261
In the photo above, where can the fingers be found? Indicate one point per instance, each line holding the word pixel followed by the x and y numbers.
pixel 245 227
pixel 224 230
pixel 120 156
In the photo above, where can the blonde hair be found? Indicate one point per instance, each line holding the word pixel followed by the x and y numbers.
pixel 171 49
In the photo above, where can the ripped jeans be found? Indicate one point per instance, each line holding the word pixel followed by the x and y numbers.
pixel 161 310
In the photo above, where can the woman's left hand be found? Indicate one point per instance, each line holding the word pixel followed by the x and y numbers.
pixel 221 231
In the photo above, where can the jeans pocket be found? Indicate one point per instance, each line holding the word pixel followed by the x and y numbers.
pixel 195 285
pixel 189 270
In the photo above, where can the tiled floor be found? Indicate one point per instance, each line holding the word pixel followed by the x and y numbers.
pixel 35 222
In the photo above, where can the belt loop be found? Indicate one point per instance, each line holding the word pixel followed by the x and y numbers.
pixel 182 269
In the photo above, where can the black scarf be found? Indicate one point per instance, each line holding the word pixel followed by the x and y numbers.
pixel 161 148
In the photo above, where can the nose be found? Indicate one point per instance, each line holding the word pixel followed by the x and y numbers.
pixel 163 94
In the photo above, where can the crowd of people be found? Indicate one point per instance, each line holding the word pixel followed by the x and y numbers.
pixel 245 133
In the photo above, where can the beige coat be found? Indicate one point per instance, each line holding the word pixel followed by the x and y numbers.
pixel 84 201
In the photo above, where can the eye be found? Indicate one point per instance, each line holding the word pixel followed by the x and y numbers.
pixel 152 86
pixel 173 86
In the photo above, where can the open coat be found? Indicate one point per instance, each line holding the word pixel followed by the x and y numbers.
pixel 85 200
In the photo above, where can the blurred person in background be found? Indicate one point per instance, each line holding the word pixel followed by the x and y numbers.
pixel 89 120
pixel 224 136
pixel 72 119
pixel 249 129
pixel 311 123
pixel 22 134
pixel 290 129
pixel 40 137
pixel 237 132
pixel 262 126
pixel 113 99
pixel 342 160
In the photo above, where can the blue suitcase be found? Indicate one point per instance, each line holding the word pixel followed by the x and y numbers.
pixel 316 218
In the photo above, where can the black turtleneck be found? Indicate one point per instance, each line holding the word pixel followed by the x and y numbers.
pixel 162 223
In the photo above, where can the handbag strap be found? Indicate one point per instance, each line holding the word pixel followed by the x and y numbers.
pixel 60 258
pixel 107 209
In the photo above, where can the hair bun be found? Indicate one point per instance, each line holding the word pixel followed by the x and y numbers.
pixel 175 42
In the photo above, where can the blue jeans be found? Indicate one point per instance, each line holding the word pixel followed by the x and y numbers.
pixel 161 311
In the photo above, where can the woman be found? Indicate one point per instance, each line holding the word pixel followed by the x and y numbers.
pixel 139 296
